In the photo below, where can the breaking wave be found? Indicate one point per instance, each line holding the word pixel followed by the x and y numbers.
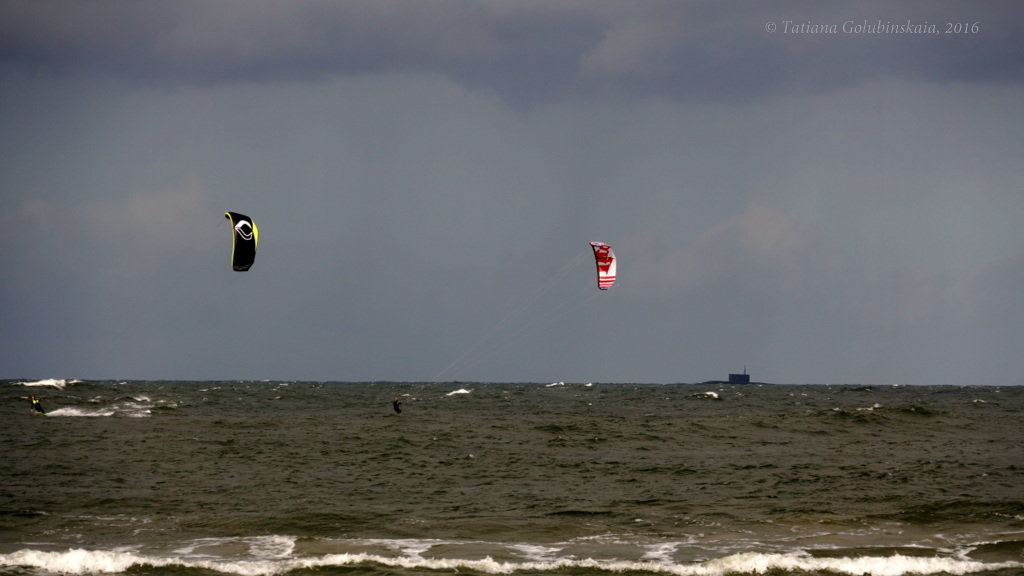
pixel 48 382
pixel 276 559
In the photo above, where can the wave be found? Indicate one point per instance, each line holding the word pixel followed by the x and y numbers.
pixel 128 406
pixel 72 412
pixel 277 560
pixel 50 382
pixel 709 395
pixel 459 391
pixel 262 547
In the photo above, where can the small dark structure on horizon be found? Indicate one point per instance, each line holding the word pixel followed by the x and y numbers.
pixel 743 378
pixel 739 378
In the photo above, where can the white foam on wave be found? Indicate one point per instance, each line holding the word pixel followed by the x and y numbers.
pixel 71 562
pixel 272 546
pixel 459 391
pixel 274 555
pixel 709 395
pixel 661 552
pixel 536 552
pixel 410 547
pixel 895 565
pixel 73 412
pixel 127 406
pixel 80 561
pixel 50 382
pixel 747 563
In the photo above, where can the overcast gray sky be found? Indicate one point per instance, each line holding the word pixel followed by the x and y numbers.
pixel 787 185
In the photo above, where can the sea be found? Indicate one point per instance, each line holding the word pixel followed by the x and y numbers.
pixel 548 478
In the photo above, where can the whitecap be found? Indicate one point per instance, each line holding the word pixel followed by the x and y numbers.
pixel 661 552
pixel 535 552
pixel 709 395
pixel 272 547
pixel 51 382
pixel 75 561
pixel 79 561
pixel 459 391
pixel 78 412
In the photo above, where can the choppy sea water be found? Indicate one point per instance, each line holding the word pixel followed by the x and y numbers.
pixel 256 478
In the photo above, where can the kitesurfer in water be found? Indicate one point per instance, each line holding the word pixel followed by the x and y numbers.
pixel 396 403
pixel 37 406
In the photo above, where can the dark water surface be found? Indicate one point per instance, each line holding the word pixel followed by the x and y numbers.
pixel 324 478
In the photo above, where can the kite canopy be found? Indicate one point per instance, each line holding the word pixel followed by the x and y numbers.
pixel 244 238
pixel 605 260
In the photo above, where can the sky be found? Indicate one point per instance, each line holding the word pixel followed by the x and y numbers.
pixel 815 192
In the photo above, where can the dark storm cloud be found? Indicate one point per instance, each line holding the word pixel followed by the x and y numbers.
pixel 525 50
pixel 822 206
